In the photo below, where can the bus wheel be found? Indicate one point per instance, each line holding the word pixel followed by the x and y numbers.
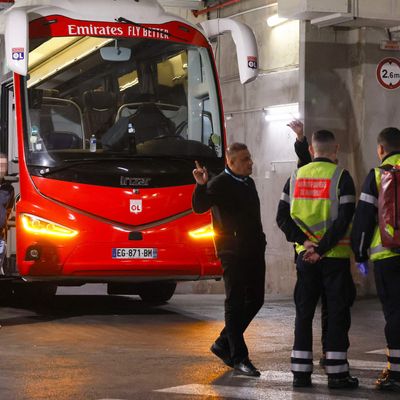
pixel 46 291
pixel 38 293
pixel 5 293
pixel 156 292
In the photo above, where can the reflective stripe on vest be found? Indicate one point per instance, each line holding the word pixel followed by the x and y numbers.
pixel 314 203
pixel 377 251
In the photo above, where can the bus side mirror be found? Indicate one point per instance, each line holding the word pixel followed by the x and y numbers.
pixel 16 41
pixel 215 139
pixel 245 42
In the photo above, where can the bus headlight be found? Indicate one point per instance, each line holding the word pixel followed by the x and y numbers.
pixel 42 226
pixel 202 233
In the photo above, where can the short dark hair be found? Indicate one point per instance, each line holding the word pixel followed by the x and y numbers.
pixel 234 148
pixel 324 142
pixel 389 138
pixel 323 136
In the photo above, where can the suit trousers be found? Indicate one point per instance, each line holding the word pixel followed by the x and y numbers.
pixel 244 279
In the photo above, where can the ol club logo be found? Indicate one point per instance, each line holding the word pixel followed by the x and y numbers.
pixel 18 53
pixel 252 62
pixel 135 206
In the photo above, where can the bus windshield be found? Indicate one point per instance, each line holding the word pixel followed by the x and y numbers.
pixel 92 98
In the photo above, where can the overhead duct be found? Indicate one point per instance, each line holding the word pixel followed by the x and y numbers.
pixel 190 4
pixel 350 13
pixel 245 43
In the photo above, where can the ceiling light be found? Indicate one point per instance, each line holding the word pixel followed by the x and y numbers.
pixel 275 20
pixel 282 112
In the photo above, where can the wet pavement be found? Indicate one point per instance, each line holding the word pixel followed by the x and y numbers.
pixel 98 347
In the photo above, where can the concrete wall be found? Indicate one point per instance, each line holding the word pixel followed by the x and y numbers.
pixel 331 73
pixel 278 83
pixel 342 93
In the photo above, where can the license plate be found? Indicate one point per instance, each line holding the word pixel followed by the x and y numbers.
pixel 134 253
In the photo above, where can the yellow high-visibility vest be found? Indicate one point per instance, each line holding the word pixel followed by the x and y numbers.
pixel 314 203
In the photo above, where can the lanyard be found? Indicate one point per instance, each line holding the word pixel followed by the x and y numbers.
pixel 242 180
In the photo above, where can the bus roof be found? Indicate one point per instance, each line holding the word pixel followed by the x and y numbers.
pixel 149 12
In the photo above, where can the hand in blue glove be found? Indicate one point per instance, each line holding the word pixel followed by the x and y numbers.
pixel 363 267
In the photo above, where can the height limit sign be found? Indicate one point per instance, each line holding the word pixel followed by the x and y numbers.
pixel 388 73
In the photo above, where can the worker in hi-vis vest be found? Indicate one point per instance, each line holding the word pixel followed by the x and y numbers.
pixel 301 147
pixel 315 212
pixel 367 243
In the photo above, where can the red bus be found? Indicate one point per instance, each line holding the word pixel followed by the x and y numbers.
pixel 104 108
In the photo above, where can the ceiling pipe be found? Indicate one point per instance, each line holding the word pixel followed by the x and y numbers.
pixel 206 10
pixel 4 4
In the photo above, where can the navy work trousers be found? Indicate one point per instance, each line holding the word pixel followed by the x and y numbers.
pixel 387 280
pixel 331 278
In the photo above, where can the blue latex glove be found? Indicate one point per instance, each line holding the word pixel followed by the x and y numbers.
pixel 363 267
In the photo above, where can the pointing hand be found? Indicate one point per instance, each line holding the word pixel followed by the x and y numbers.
pixel 200 174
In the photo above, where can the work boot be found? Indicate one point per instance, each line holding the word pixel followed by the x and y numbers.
pixel 347 382
pixel 387 383
pixel 382 376
pixel 302 381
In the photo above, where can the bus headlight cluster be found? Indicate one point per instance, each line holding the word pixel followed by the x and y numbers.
pixel 203 232
pixel 41 226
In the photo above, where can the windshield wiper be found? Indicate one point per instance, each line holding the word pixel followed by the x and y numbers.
pixel 127 21
pixel 73 163
pixel 45 171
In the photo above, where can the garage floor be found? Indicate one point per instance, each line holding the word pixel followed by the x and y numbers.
pixel 87 345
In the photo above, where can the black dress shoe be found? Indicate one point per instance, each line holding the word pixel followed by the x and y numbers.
pixel 302 381
pixel 348 382
pixel 387 384
pixel 246 368
pixel 222 354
